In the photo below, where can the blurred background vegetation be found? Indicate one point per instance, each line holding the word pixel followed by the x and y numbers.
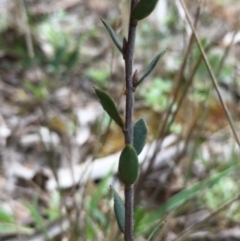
pixel 58 148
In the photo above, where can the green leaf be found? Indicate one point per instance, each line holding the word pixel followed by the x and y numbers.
pixel 139 135
pixel 34 210
pixel 128 165
pixel 156 231
pixel 11 228
pixel 151 66
pixel 5 216
pixel 119 210
pixel 143 9
pixel 109 106
pixel 113 35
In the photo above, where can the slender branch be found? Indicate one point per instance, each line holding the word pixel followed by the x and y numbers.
pixel 128 56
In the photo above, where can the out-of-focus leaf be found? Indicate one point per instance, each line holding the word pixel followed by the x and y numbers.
pixel 151 66
pixel 139 135
pixel 128 165
pixel 7 228
pixel 119 210
pixel 109 106
pixel 72 59
pixel 143 9
pixel 156 230
pixel 113 36
pixel 5 216
pixel 37 217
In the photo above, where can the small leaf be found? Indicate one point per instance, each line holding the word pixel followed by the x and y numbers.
pixel 113 35
pixel 151 66
pixel 143 9
pixel 109 106
pixel 128 165
pixel 119 210
pixel 139 135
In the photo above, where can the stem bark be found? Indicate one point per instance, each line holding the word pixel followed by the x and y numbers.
pixel 128 57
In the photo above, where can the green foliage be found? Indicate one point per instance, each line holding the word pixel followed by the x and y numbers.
pixel 9 228
pixel 226 188
pixel 119 210
pixel 8 224
pixel 63 60
pixel 151 66
pixel 143 9
pixel 61 52
pixel 220 192
pixel 201 92
pixel 109 106
pixel 156 94
pixel 36 215
pixel 96 216
pixel 90 228
pixel 128 165
pixel 139 135
pixel 113 36
pixel 180 198
pixel 53 211
pixel 39 91
pixel 99 76
pixel 176 128
pixel 5 216
pixel 156 231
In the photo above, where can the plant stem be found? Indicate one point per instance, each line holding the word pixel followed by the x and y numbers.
pixel 129 201
pixel 128 56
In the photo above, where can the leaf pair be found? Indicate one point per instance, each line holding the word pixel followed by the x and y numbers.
pixel 139 129
pixel 136 12
pixel 128 162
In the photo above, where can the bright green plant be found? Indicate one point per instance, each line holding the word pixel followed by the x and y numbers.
pixel 8 224
pixel 156 94
pixel 34 210
pixel 39 91
pixel 98 76
pixel 134 135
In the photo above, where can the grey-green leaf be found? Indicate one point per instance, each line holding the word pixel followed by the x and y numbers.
pixel 128 165
pixel 109 106
pixel 113 36
pixel 143 9
pixel 119 210
pixel 151 66
pixel 139 135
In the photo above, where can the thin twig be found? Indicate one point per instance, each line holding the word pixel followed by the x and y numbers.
pixel 211 73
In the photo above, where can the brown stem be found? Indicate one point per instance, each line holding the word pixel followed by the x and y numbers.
pixel 128 57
